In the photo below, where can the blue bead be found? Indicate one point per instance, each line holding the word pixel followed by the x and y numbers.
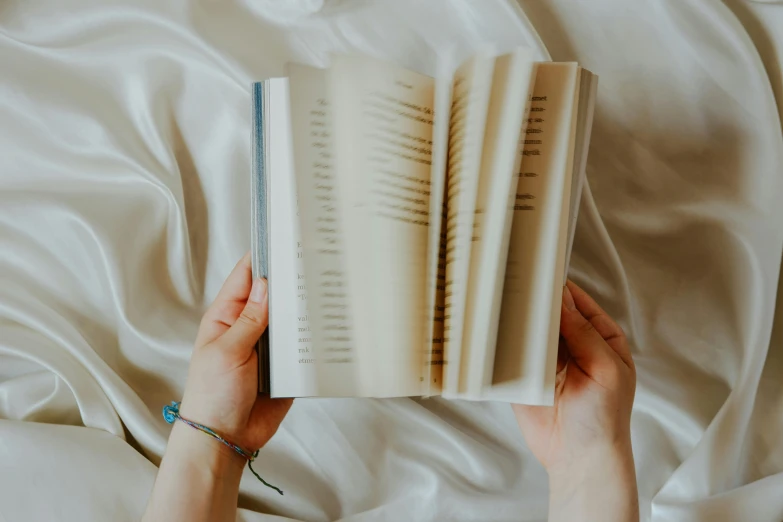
pixel 171 412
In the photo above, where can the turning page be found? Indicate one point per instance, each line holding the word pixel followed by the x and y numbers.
pixel 330 313
pixel 511 86
pixel 470 99
pixel 291 361
pixel 383 137
pixel 526 348
pixel 436 244
pixel 588 88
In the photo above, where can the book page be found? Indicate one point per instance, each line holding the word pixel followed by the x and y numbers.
pixel 291 356
pixel 525 352
pixel 470 99
pixel 436 244
pixel 588 86
pixel 322 244
pixel 383 136
pixel 581 126
pixel 259 222
pixel 512 84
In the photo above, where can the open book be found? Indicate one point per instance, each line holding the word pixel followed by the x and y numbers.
pixel 416 231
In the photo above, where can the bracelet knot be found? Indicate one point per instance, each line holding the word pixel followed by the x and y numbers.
pixel 171 415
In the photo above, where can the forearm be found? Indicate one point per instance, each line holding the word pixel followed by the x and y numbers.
pixel 198 479
pixel 602 487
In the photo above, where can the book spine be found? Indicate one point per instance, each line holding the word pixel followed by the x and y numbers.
pixel 259 241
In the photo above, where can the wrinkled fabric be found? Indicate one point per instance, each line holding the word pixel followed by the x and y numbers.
pixel 124 171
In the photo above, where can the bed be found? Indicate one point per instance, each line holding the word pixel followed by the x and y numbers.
pixel 124 169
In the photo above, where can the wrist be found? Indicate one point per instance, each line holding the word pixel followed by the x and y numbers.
pixel 194 463
pixel 590 461
pixel 203 453
pixel 597 485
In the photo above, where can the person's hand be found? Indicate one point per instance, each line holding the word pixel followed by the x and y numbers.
pixel 584 440
pixel 199 477
pixel 222 387
pixel 594 388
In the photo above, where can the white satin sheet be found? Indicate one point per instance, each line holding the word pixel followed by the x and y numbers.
pixel 124 171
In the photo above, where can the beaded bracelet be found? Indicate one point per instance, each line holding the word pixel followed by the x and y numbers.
pixel 171 414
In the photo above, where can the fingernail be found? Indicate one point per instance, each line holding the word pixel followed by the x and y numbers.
pixel 258 291
pixel 568 299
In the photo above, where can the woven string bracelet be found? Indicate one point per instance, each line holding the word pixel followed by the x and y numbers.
pixel 171 414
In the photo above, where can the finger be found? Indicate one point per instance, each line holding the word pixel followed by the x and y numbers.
pixel 251 322
pixel 228 303
pixel 603 323
pixel 585 345
pixel 237 284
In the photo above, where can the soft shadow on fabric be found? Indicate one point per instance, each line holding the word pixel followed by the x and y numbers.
pixel 196 213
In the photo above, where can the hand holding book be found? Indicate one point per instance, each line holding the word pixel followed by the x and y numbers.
pixel 584 442
pixel 596 375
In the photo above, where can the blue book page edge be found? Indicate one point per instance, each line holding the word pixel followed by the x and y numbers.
pixel 259 245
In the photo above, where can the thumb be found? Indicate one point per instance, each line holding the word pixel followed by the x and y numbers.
pixel 585 345
pixel 253 320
